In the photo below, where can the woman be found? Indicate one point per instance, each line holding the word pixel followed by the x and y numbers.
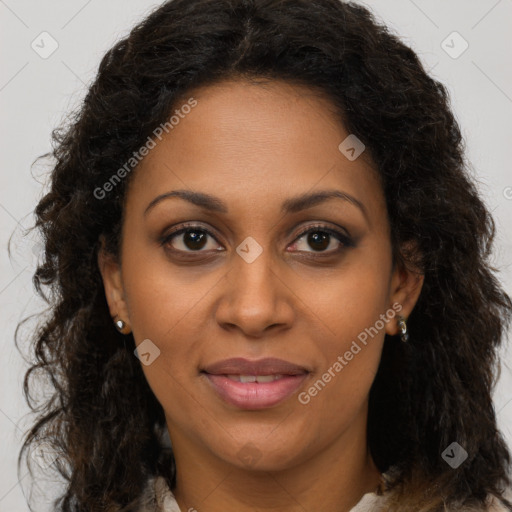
pixel 270 275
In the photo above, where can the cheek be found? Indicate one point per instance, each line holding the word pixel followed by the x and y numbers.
pixel 168 318
pixel 335 400
pixel 162 297
pixel 350 351
pixel 350 298
pixel 164 308
pixel 174 322
pixel 348 308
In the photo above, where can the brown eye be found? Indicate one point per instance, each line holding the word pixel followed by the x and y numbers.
pixel 194 239
pixel 320 238
pixel 317 239
pixel 189 239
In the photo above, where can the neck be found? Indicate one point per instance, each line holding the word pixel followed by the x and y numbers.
pixel 333 480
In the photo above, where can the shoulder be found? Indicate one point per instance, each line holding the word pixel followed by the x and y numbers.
pixel 495 504
pixel 157 497
pixel 372 502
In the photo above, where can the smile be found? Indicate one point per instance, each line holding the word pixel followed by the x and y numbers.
pixel 254 378
pixel 255 391
pixel 254 384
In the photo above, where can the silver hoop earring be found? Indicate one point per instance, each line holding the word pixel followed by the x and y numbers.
pixel 404 336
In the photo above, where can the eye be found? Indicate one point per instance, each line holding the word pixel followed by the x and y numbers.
pixel 189 238
pixel 320 238
pixel 192 238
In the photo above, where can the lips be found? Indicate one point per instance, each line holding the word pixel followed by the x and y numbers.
pixel 267 366
pixel 255 385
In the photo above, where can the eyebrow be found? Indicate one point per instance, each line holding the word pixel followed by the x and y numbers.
pixel 291 205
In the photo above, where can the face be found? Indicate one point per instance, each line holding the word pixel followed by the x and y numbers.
pixel 239 263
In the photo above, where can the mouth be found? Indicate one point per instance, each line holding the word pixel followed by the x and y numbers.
pixel 255 378
pixel 254 385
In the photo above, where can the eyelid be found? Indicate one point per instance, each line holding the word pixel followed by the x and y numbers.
pixel 184 227
pixel 325 228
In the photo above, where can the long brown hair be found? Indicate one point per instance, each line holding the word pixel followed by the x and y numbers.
pixel 104 419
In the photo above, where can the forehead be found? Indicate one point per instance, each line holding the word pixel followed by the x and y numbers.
pixel 253 143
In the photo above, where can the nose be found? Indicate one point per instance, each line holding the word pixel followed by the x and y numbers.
pixel 255 298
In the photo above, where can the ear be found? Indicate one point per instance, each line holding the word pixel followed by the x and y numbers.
pixel 110 271
pixel 405 288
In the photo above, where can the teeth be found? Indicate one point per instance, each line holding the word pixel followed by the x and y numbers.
pixel 255 378
pixel 267 378
pixel 248 378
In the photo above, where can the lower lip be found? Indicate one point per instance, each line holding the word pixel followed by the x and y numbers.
pixel 253 395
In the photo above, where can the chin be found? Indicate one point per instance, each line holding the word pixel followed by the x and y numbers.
pixel 262 456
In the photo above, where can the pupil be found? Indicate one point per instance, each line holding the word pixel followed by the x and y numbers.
pixel 318 242
pixel 197 239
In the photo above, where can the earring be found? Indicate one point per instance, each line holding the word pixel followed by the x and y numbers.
pixel 120 325
pixel 404 336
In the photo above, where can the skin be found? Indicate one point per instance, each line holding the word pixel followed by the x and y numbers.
pixel 255 146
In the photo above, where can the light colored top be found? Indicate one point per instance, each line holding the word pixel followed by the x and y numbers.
pixel 159 498
pixel 166 502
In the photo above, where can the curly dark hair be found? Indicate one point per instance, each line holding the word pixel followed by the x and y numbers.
pixel 104 419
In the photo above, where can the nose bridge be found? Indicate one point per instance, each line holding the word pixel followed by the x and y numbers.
pixel 254 297
pixel 252 270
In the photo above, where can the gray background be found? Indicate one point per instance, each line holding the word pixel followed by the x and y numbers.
pixel 36 93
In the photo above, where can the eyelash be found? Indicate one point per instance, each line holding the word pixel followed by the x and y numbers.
pixel 342 238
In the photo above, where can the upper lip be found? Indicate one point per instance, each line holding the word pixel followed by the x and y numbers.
pixel 266 366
